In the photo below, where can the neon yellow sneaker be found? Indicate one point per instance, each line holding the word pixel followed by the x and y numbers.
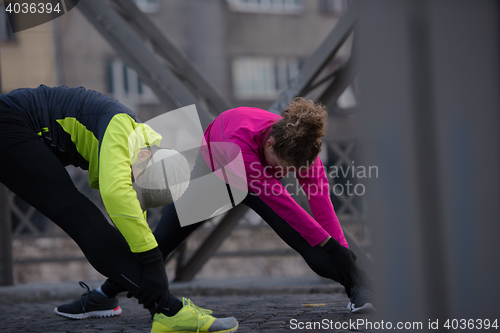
pixel 192 318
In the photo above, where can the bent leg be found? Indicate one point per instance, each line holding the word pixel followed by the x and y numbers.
pixel 169 235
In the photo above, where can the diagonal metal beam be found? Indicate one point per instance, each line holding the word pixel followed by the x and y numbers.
pixel 169 89
pixel 316 62
pixel 343 78
pixel 24 220
pixel 181 65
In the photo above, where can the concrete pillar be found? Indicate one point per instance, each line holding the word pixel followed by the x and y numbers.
pixel 429 82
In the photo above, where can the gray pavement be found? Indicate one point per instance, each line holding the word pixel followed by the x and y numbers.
pixel 36 292
pixel 260 305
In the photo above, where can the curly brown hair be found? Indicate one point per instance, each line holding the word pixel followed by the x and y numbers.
pixel 297 136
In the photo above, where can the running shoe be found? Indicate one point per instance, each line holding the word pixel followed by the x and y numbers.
pixel 91 304
pixel 192 318
pixel 361 300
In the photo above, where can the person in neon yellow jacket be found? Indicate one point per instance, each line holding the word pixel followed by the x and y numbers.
pixel 44 129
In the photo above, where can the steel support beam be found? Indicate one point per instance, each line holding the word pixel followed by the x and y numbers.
pixel 6 261
pixel 125 41
pixel 185 70
pixel 317 61
pixel 343 78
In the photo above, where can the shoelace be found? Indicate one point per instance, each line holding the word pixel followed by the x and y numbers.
pixel 85 295
pixel 200 312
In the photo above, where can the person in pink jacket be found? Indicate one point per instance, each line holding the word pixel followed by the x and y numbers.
pixel 272 145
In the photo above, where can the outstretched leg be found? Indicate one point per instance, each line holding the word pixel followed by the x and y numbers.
pixel 168 233
pixel 316 258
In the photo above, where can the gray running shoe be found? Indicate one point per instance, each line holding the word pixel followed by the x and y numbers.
pixel 361 300
pixel 90 305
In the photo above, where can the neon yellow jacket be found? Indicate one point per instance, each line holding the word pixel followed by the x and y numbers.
pixel 96 133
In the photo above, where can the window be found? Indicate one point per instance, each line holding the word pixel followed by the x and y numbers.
pixel 266 6
pixel 123 82
pixel 6 34
pixel 262 77
pixel 148 6
pixel 333 7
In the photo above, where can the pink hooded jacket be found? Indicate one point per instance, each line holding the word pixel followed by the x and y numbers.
pixel 248 128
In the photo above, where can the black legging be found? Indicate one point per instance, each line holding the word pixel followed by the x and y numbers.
pixel 169 234
pixel 30 170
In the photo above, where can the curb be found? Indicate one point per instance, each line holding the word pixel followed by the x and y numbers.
pixel 43 292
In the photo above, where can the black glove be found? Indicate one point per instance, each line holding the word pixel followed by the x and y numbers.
pixel 343 260
pixel 354 256
pixel 153 289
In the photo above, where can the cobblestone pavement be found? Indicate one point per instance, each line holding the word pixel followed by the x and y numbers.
pixel 266 313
